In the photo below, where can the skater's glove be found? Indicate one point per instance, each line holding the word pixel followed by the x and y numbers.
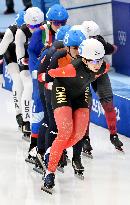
pixel 23 61
pixel 49 85
pixel 67 71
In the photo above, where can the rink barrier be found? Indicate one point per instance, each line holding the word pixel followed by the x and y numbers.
pixel 90 5
pixel 121 32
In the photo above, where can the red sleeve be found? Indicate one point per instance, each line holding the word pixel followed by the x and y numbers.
pixel 67 71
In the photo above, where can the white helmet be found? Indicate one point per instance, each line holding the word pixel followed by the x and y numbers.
pixel 33 16
pixel 91 49
pixel 81 28
pixel 91 27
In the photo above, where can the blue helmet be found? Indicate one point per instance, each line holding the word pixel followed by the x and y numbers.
pixel 57 12
pixel 61 32
pixel 19 20
pixel 73 38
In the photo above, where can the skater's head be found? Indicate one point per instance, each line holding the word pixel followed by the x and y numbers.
pixel 60 34
pixel 57 15
pixel 72 40
pixel 92 53
pixel 34 18
pixel 92 28
pixel 80 28
pixel 19 20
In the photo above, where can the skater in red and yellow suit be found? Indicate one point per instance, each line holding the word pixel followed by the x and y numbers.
pixel 70 100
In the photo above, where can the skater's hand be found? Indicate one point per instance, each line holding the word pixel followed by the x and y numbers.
pixel 23 61
pixel 41 77
pixel 49 85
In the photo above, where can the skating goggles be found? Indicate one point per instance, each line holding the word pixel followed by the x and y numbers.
pixel 34 26
pixel 96 61
pixel 58 23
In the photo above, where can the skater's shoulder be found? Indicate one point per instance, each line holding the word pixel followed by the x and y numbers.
pixel 77 62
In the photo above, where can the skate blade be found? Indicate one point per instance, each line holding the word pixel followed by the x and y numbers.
pixel 41 162
pixel 38 170
pixel 20 129
pixel 30 161
pixel 81 177
pixel 87 155
pixel 68 160
pixel 120 150
pixel 47 190
pixel 60 169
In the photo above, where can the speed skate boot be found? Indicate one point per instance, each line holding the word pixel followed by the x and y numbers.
pixel 87 148
pixel 116 142
pixel 63 162
pixel 49 182
pixel 26 131
pixel 78 167
pixel 19 120
pixel 67 158
pixel 39 164
pixel 48 177
pixel 31 155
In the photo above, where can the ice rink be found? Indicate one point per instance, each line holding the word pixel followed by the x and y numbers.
pixel 107 176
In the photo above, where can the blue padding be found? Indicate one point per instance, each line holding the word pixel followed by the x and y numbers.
pixel 121 89
pixel 121 32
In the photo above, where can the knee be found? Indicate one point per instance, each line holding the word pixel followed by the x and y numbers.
pixel 65 129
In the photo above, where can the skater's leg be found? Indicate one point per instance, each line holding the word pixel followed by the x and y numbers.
pixel 64 122
pixel 51 132
pixel 77 149
pixel 80 118
pixel 87 148
pixel 65 129
pixel 17 88
pixel 39 163
pixel 76 160
pixel 44 125
pixel 27 94
pixel 37 110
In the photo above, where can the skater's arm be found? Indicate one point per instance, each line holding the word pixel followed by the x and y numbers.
pixel 20 40
pixel 67 71
pixel 44 64
pixel 35 47
pixel 109 48
pixel 7 39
